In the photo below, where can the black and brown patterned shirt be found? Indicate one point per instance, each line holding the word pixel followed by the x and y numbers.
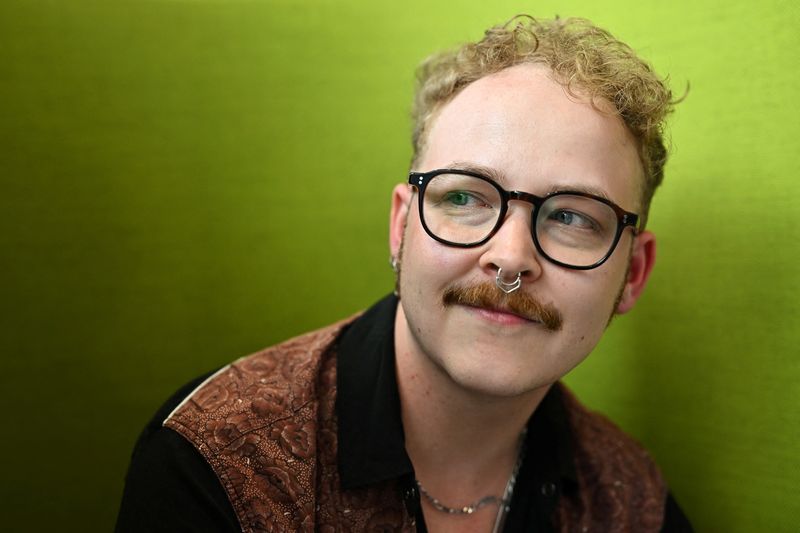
pixel 307 436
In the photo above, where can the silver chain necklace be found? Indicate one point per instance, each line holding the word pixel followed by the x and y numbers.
pixel 467 509
pixel 504 502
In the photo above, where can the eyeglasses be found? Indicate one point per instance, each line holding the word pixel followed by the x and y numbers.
pixel 571 229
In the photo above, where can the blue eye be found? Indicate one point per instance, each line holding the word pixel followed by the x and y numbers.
pixel 565 217
pixel 571 218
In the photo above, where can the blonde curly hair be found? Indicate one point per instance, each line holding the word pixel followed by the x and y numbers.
pixel 586 59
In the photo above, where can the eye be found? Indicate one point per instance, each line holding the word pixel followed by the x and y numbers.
pixel 573 219
pixel 461 199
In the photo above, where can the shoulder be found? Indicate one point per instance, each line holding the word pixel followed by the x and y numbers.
pixel 257 423
pixel 169 486
pixel 600 442
pixel 617 478
pixel 238 449
pixel 260 388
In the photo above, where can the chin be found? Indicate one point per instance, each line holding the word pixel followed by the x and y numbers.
pixel 500 383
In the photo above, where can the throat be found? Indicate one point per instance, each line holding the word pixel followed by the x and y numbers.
pixel 486 513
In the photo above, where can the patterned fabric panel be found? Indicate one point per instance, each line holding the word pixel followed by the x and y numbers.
pixel 621 488
pixel 267 426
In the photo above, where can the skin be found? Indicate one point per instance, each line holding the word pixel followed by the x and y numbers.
pixel 469 378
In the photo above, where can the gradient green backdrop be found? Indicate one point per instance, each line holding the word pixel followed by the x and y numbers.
pixel 184 182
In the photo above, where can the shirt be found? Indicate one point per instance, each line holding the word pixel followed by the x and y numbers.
pixel 171 487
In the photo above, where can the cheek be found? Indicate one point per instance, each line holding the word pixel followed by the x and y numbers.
pixel 587 298
pixel 430 262
pixel 419 260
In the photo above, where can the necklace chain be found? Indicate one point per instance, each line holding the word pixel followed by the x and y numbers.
pixel 503 502
pixel 467 509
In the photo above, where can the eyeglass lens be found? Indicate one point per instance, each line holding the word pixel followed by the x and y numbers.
pixel 574 230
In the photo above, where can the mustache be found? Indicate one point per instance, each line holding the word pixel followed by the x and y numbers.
pixel 520 303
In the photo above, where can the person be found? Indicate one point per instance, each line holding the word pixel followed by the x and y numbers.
pixel 519 235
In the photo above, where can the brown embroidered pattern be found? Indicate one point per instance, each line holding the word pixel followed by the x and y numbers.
pixel 622 489
pixel 267 426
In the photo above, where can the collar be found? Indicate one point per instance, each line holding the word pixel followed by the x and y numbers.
pixel 370 430
pixel 371 441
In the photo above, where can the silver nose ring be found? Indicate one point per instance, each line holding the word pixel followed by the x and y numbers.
pixel 507 287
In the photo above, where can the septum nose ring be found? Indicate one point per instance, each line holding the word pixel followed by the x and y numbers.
pixel 507 287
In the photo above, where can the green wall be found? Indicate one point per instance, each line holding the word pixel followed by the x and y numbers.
pixel 185 182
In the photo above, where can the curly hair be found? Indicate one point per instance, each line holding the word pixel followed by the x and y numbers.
pixel 585 59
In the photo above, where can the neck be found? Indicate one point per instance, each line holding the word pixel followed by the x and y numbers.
pixel 461 442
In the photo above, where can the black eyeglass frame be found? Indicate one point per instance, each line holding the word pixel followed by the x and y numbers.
pixel 420 181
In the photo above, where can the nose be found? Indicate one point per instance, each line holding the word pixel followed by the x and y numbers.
pixel 512 248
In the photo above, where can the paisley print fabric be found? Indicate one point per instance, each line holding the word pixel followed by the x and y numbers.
pixel 267 426
pixel 620 487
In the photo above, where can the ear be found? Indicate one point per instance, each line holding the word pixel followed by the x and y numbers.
pixel 401 200
pixel 643 258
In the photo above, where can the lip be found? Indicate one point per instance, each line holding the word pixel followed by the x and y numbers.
pixel 499 316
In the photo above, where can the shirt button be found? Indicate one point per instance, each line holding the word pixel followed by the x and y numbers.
pixel 548 489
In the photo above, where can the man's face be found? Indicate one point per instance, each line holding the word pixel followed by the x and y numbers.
pixel 519 125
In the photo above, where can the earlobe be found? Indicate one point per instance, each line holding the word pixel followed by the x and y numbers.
pixel 643 258
pixel 401 199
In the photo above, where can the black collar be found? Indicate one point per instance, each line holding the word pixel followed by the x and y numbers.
pixel 370 433
pixel 371 442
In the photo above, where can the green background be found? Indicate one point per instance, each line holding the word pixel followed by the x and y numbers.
pixel 185 182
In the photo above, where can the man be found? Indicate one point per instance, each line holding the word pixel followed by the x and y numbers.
pixel 519 234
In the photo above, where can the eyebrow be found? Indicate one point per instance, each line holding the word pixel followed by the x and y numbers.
pixel 500 178
pixel 489 172
pixel 574 187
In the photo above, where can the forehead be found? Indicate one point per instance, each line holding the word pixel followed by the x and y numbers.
pixel 526 127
